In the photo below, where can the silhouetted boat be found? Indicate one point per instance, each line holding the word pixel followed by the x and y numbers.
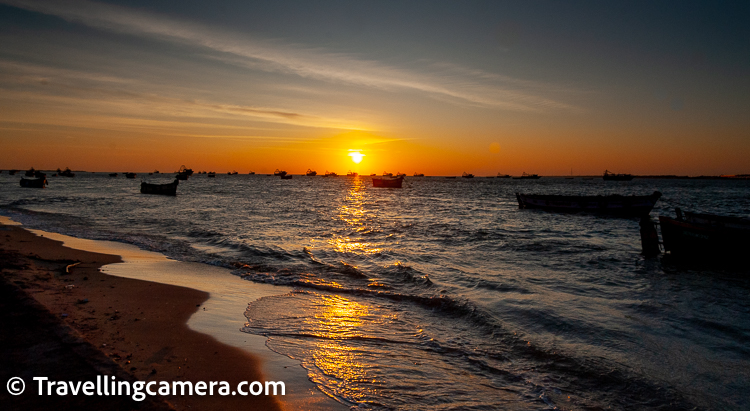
pixel 626 206
pixel 311 173
pixel 715 238
pixel 503 175
pixel 418 174
pixel 467 175
pixel 66 173
pixel 211 174
pixel 616 177
pixel 113 174
pixel 183 173
pixel 286 177
pixel 399 174
pixel 351 174
pixel 130 175
pixel 526 176
pixel 330 174
pixel 33 182
pixel 169 189
pixel 388 181
pixel 279 172
pixel 12 172
pixel 251 173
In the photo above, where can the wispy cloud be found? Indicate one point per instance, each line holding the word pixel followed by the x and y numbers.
pixel 445 82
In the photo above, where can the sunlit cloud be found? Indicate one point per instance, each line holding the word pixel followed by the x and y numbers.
pixel 444 82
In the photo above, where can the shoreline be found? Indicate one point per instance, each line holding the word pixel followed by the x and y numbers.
pixel 159 319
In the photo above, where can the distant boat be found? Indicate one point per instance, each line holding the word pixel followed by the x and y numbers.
pixel 399 174
pixel 169 189
pixel 503 175
pixel 251 173
pixel 418 174
pixel 373 175
pixel 30 172
pixel 388 181
pixel 33 182
pixel 279 172
pixel 467 175
pixel 12 172
pixel 718 239
pixel 616 177
pixel 526 176
pixel 626 206
pixel 351 174
pixel 130 175
pixel 211 174
pixel 330 174
pixel 113 174
pixel 311 173
pixel 66 173
pixel 233 173
pixel 286 177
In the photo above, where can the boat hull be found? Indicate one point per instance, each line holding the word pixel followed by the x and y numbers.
pixel 706 237
pixel 627 206
pixel 387 182
pixel 169 189
pixel 33 182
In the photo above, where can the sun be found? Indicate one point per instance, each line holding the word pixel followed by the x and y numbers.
pixel 356 156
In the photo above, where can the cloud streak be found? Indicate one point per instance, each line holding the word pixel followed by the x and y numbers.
pixel 459 85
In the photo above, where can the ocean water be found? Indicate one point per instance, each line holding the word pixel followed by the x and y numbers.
pixel 443 294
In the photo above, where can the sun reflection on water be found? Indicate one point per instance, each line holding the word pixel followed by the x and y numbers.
pixel 353 212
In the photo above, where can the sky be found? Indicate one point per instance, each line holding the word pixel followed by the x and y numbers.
pixel 435 87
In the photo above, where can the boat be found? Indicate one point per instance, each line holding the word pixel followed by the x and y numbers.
pixel 418 174
pixel 625 206
pixel 330 174
pixel 695 236
pixel 169 189
pixel 399 174
pixel 286 176
pixel 609 176
pixel 211 174
pixel 279 172
pixel 33 182
pixel 503 175
pixel 527 176
pixel 66 173
pixel 311 173
pixel 387 180
pixel 252 173
pixel 130 175
pixel 233 173
pixel 183 173
pixel 12 172
pixel 351 174
pixel 467 175
pixel 113 174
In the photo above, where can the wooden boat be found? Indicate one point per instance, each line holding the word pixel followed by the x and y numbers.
pixel 717 238
pixel 418 174
pixel 252 173
pixel 503 175
pixel 211 174
pixel 169 189
pixel 330 174
pixel 279 172
pixel 130 175
pixel 626 206
pixel 311 173
pixel 388 181
pixel 286 177
pixel 526 176
pixel 33 182
pixel 467 175
pixel 609 176
pixel 66 173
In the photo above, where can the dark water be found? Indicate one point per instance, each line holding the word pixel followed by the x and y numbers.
pixel 444 295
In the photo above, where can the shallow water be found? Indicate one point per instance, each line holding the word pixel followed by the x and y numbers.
pixel 443 294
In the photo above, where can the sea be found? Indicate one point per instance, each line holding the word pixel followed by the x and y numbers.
pixel 444 295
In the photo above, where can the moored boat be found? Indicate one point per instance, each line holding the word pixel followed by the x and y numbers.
pixel 503 175
pixel 388 181
pixel 418 174
pixel 311 173
pixel 211 174
pixel 279 172
pixel 66 173
pixel 130 175
pixel 716 238
pixel 169 189
pixel 33 182
pixel 626 206
pixel 467 175
pixel 527 176
pixel 286 177
pixel 330 174
pixel 609 176
pixel 351 174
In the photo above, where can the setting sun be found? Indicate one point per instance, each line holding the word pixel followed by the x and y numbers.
pixel 356 156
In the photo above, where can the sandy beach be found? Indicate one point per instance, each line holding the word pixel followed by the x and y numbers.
pixel 140 326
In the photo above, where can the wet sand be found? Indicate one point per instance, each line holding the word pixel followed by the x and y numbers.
pixel 142 326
